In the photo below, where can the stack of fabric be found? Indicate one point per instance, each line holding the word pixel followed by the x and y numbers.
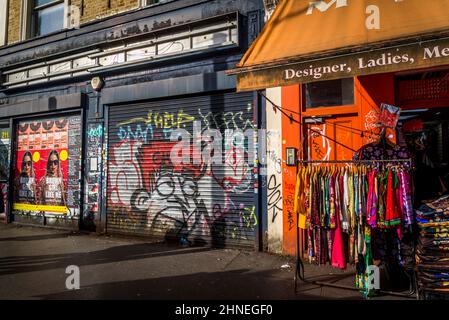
pixel 432 252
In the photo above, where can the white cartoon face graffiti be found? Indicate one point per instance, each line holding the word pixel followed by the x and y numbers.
pixel 182 201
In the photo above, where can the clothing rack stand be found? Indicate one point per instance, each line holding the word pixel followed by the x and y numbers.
pixel 354 161
pixel 299 270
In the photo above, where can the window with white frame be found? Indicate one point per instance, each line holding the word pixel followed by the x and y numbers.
pixel 153 2
pixel 3 22
pixel 41 17
pixel 47 16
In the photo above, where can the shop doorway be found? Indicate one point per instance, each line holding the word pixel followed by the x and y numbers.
pixel 424 99
pixel 424 128
pixel 426 133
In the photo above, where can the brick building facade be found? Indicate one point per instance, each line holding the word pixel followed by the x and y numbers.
pixel 89 10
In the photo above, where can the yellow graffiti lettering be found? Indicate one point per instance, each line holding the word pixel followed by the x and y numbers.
pixel 169 119
pixel 158 120
pixel 184 118
pixel 252 217
pixel 149 117
pixel 162 121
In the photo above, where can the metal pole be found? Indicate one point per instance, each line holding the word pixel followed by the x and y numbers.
pixel 352 161
pixel 355 289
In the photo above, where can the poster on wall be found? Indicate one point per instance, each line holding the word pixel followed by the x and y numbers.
pixel 4 153
pixel 4 168
pixel 47 164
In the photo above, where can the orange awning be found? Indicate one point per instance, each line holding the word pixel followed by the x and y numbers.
pixel 306 30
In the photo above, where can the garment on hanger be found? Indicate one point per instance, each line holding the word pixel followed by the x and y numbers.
pixel 382 150
pixel 340 202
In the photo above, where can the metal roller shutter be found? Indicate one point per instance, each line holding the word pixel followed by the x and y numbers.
pixel 203 202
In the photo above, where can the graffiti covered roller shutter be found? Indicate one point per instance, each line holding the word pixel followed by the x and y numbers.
pixel 200 200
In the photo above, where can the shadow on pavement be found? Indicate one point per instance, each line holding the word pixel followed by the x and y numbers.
pixel 19 264
pixel 40 237
pixel 238 284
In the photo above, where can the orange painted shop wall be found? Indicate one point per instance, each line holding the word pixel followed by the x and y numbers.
pixel 291 99
pixel 345 127
pixel 372 91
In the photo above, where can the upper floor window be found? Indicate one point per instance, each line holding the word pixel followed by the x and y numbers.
pixel 330 93
pixel 151 2
pixel 47 16
pixel 3 21
pixel 41 17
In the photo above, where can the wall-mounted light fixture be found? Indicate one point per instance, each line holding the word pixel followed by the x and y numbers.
pixel 97 83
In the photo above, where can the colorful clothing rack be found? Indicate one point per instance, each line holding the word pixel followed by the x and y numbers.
pixel 353 200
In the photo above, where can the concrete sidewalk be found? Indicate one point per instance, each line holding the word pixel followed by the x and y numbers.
pixel 33 263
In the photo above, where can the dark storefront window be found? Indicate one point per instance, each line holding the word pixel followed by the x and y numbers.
pixel 48 16
pixel 151 2
pixel 330 93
